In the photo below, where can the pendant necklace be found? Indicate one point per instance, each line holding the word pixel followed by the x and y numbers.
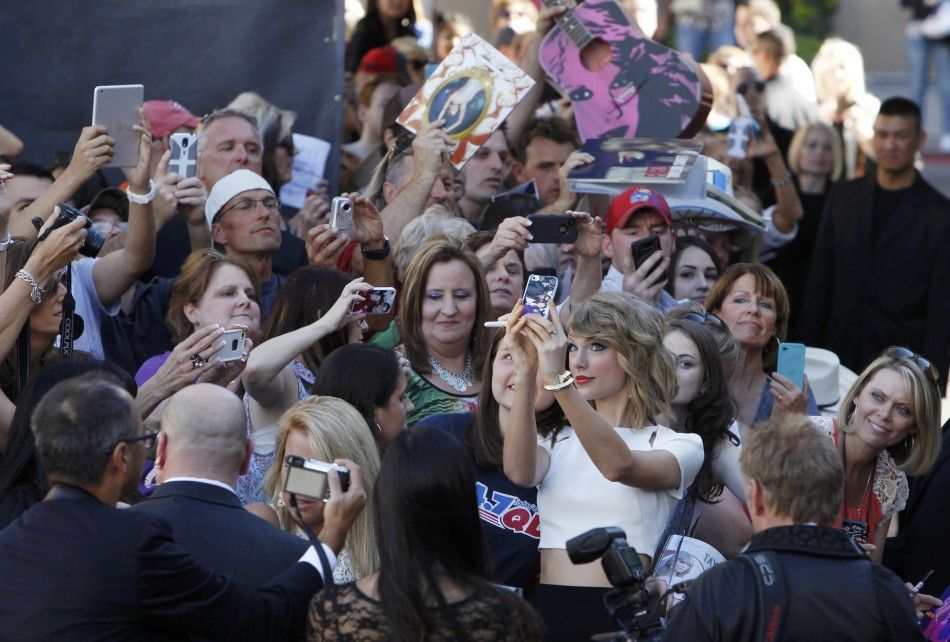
pixel 459 382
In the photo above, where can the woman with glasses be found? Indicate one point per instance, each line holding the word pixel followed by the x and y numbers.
pixel 612 465
pixel 444 306
pixel 752 301
pixel 712 509
pixel 888 427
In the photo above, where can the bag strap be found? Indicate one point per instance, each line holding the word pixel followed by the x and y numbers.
pixel 771 608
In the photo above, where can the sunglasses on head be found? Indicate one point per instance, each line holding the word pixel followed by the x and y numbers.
pixel 906 354
pixel 744 87
pixel 703 318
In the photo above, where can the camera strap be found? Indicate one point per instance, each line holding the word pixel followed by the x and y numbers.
pixel 68 324
pixel 315 542
pixel 771 594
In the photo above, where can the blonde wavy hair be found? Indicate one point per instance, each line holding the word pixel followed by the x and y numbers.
pixel 634 329
pixel 916 453
pixel 334 429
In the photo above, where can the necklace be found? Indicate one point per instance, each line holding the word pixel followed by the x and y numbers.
pixel 459 382
pixel 844 461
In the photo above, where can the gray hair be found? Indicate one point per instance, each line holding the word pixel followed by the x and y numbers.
pixel 78 423
pixel 436 219
pixel 218 114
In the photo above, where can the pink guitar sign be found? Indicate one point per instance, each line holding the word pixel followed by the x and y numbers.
pixel 621 83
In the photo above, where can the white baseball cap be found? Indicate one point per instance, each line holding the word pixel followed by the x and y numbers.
pixel 238 181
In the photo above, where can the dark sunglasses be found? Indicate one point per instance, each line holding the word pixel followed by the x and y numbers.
pixel 703 318
pixel 744 87
pixel 900 352
pixel 147 439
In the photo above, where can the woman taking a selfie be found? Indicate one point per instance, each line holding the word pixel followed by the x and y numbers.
pixel 612 465
pixel 508 512
pixel 442 313
pixel 753 303
pixel 432 580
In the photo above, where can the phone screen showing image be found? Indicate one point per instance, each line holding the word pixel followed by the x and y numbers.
pixel 538 292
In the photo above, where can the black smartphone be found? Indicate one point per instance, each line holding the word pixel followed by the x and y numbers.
pixel 644 249
pixel 553 228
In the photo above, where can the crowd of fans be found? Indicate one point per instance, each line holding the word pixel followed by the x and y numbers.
pixel 645 396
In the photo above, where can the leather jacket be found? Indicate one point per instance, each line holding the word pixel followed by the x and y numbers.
pixel 834 592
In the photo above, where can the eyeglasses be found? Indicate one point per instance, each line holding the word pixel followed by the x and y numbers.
pixel 703 318
pixel 147 439
pixel 744 87
pixel 249 205
pixel 900 352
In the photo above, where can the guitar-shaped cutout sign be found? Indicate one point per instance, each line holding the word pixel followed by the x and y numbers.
pixel 621 83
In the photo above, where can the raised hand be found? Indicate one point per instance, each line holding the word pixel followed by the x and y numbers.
pixel 94 149
pixel 138 175
pixel 787 397
pixel 57 250
pixel 339 313
pixel 367 224
pixel 589 230
pixel 550 342
pixel 324 246
pixel 647 280
pixel 524 356
pixel 430 147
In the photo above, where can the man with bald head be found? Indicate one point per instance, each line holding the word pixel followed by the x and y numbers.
pixel 202 449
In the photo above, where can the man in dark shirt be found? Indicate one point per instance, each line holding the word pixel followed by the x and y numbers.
pixel 832 591
pixel 880 273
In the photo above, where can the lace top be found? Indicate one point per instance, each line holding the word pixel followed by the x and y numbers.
pixel 890 484
pixel 250 486
pixel 347 615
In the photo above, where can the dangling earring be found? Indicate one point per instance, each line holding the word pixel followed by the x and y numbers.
pixel 151 479
pixel 280 501
pixel 913 442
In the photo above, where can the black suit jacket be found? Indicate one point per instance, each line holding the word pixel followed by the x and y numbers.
pixel 211 524
pixel 73 568
pixel 863 297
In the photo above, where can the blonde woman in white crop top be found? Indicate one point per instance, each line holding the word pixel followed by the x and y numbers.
pixel 595 473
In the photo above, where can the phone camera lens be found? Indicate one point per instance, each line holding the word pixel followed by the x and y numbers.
pixel 562 229
pixel 234 344
pixel 346 207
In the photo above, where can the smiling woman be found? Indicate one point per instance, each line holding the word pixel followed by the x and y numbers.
pixel 887 428
pixel 445 304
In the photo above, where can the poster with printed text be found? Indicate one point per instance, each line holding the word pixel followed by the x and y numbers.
pixel 473 90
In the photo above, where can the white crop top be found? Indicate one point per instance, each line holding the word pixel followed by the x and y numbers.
pixel 574 497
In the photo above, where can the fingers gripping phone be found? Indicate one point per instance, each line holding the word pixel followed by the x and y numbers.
pixel 375 301
pixel 538 292
pixel 644 248
pixel 184 155
pixel 233 346
pixel 116 107
pixel 791 362
pixel 341 215
pixel 553 228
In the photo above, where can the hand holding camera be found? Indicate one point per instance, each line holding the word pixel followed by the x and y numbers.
pixel 646 269
pixel 63 240
pixel 339 484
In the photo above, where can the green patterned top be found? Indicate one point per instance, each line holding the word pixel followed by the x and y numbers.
pixel 430 400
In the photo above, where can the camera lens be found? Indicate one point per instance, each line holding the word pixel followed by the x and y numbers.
pixel 234 344
pixel 94 241
pixel 562 229
pixel 345 207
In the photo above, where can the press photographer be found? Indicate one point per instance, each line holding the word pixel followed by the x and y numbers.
pixel 799 568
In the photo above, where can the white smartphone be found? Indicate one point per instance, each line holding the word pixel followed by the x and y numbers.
pixel 184 155
pixel 538 292
pixel 233 346
pixel 116 107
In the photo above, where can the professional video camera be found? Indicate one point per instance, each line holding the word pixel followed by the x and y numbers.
pixel 629 602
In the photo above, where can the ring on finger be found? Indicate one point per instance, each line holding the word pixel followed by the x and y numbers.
pixel 197 361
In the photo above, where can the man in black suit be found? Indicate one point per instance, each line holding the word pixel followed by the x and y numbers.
pixel 75 568
pixel 202 448
pixel 880 275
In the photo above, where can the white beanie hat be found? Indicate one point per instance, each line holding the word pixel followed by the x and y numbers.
pixel 238 181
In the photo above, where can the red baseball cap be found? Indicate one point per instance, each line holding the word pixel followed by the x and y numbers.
pixel 383 59
pixel 632 201
pixel 165 116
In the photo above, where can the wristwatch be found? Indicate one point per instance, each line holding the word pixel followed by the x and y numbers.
pixel 377 255
pixel 142 199
pixel 36 292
